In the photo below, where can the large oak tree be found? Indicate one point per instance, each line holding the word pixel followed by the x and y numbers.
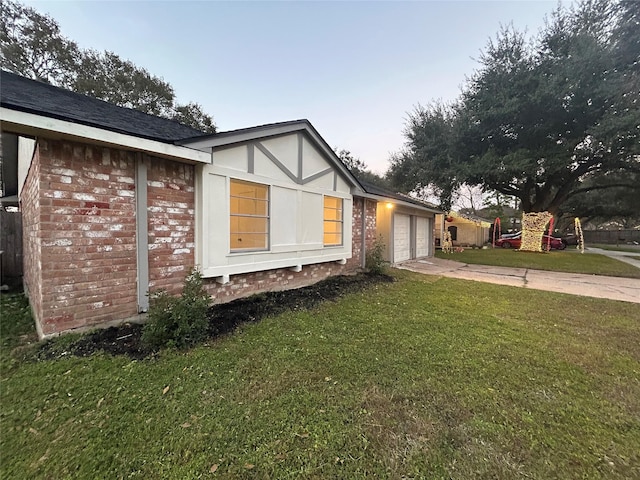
pixel 543 119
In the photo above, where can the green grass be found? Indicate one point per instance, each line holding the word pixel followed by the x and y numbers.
pixel 616 248
pixel 559 261
pixel 424 378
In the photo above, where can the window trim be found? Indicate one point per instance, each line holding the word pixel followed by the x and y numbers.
pixel 267 217
pixel 325 220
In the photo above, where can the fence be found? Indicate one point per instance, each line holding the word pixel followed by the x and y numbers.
pixel 11 247
pixel 611 236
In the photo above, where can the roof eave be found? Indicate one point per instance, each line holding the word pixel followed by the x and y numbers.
pixel 382 198
pixel 25 123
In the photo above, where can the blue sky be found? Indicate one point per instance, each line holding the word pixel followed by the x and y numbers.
pixel 354 69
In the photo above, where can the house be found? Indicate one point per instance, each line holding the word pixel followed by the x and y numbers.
pixel 405 224
pixel 466 230
pixel 116 203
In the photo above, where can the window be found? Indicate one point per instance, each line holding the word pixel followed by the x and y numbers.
pixel 332 221
pixel 454 232
pixel 249 216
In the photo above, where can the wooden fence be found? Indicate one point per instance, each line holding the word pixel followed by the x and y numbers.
pixel 611 236
pixel 11 247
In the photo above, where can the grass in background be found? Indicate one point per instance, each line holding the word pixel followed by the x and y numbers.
pixel 423 378
pixel 617 248
pixel 559 261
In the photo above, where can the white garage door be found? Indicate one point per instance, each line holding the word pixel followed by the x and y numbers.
pixel 422 237
pixel 401 238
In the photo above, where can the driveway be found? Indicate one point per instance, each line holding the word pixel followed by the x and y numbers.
pixel 598 286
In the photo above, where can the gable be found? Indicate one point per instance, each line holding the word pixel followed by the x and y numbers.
pixel 292 158
pixel 298 174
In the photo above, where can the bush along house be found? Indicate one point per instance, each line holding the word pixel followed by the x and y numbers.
pixel 116 203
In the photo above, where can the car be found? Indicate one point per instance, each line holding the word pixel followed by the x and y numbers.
pixel 570 239
pixel 515 241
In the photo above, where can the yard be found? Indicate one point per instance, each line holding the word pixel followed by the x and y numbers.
pixel 421 378
pixel 568 260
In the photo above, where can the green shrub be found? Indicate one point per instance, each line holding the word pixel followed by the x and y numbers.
pixel 374 261
pixel 178 322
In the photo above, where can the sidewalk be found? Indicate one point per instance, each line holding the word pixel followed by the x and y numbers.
pixel 598 286
pixel 627 257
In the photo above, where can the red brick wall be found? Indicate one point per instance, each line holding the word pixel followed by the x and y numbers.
pixel 88 235
pixel 370 237
pixel 30 208
pixel 368 208
pixel 171 220
pixel 272 280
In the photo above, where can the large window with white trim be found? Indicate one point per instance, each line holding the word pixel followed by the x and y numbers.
pixel 249 216
pixel 333 221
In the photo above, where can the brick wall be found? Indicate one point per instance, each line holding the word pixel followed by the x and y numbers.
pixel 272 280
pixel 171 220
pixel 30 207
pixel 371 212
pixel 362 206
pixel 88 235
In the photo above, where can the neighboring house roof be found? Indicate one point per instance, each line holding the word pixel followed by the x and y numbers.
pixel 30 96
pixel 472 218
pixel 384 193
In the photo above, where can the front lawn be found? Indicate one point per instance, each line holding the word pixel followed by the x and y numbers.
pixel 559 261
pixel 425 377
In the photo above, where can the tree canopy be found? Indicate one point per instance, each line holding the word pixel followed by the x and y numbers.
pixel 360 169
pixel 32 45
pixel 543 119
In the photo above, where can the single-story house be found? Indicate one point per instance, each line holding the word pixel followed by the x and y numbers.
pixel 466 230
pixel 116 203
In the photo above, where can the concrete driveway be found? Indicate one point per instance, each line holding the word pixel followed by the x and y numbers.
pixel 598 286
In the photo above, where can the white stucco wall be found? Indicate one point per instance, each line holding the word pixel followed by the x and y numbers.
pixel 297 184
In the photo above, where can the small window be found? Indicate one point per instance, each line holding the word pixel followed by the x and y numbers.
pixel 454 233
pixel 249 216
pixel 332 221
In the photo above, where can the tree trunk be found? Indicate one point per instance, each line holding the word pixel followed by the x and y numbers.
pixel 533 227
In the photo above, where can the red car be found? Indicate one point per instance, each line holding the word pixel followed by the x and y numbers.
pixel 514 242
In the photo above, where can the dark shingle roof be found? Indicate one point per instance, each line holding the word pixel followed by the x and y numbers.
pixel 23 94
pixel 383 192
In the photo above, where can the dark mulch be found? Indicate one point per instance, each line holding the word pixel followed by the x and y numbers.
pixel 223 318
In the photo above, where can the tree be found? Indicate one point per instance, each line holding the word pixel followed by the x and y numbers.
pixel 616 205
pixel 108 77
pixel 542 119
pixel 359 168
pixel 32 45
pixel 192 114
pixel 354 164
pixel 469 199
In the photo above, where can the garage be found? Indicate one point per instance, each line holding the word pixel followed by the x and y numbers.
pixel 401 237
pixel 404 225
pixel 422 237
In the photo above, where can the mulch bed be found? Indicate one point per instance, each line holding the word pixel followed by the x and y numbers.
pixel 223 318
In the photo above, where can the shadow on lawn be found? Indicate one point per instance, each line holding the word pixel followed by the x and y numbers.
pixel 223 318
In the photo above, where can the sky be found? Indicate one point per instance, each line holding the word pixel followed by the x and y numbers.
pixel 353 69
